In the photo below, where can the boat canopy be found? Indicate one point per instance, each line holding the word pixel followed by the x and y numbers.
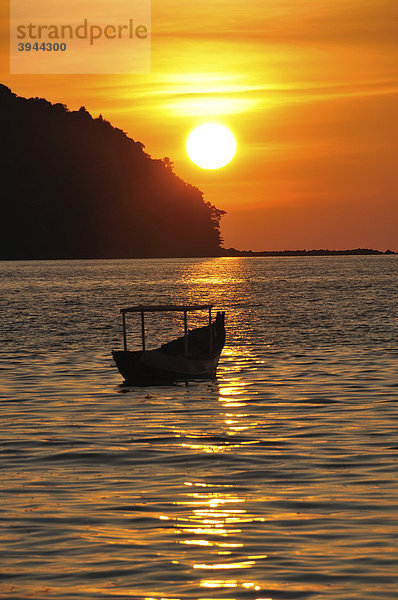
pixel 185 308
pixel 165 308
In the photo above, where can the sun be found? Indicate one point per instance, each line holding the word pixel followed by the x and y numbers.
pixel 211 146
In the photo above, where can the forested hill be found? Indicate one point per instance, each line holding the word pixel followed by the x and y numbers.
pixel 75 187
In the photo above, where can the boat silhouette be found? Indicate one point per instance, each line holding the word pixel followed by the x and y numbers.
pixel 194 355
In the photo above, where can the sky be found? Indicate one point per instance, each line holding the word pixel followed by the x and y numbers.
pixel 309 89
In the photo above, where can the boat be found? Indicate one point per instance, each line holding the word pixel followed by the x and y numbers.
pixel 194 355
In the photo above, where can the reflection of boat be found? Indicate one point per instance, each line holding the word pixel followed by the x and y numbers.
pixel 195 355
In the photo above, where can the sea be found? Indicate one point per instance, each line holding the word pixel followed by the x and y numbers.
pixel 276 481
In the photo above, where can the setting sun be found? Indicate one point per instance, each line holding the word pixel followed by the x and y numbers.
pixel 211 146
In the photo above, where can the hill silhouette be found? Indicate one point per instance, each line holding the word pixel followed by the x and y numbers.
pixel 74 186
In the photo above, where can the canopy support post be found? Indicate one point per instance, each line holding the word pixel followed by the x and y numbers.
pixel 143 331
pixel 210 332
pixel 185 333
pixel 124 331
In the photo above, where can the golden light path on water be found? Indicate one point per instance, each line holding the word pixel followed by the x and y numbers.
pixel 216 516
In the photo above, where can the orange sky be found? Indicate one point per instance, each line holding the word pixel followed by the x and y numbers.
pixel 310 90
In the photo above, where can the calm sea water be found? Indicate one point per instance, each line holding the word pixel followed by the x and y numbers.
pixel 278 481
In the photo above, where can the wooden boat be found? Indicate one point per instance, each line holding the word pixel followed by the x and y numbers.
pixel 195 355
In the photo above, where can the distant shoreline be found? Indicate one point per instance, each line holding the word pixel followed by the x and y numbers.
pixel 354 252
pixel 227 253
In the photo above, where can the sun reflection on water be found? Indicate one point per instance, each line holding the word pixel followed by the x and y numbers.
pixel 210 518
pixel 215 518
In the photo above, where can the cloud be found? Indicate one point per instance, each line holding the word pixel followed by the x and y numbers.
pixel 280 21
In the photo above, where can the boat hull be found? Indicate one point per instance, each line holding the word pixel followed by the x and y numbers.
pixel 154 366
